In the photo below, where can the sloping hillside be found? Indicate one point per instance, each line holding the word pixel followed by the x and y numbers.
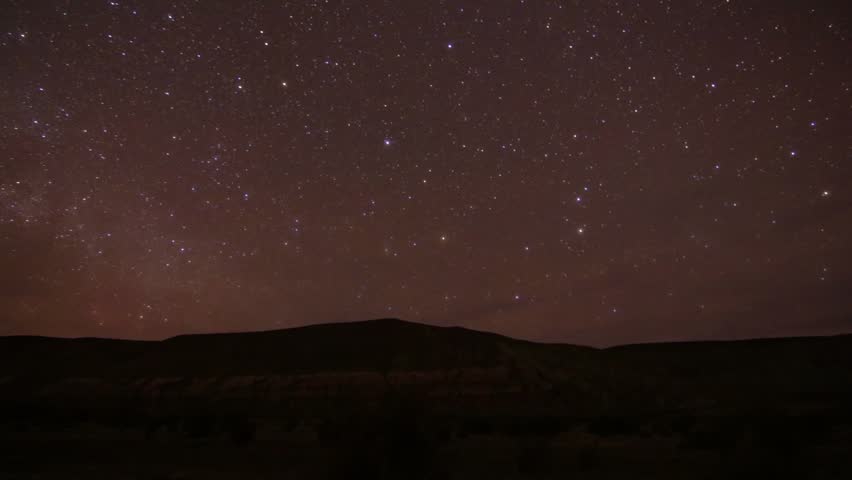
pixel 351 397
pixel 373 357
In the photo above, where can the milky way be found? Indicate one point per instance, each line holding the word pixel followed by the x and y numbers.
pixel 590 172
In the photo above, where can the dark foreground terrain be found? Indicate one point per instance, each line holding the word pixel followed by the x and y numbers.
pixel 391 399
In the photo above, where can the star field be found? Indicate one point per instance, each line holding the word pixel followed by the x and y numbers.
pixel 589 172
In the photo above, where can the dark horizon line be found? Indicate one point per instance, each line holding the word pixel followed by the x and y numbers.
pixel 429 325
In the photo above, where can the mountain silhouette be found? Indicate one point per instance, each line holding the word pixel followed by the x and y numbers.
pixel 374 345
pixel 374 396
pixel 392 346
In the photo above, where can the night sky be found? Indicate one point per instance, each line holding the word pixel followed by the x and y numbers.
pixel 576 171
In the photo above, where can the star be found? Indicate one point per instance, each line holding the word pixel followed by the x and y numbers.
pixel 434 150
